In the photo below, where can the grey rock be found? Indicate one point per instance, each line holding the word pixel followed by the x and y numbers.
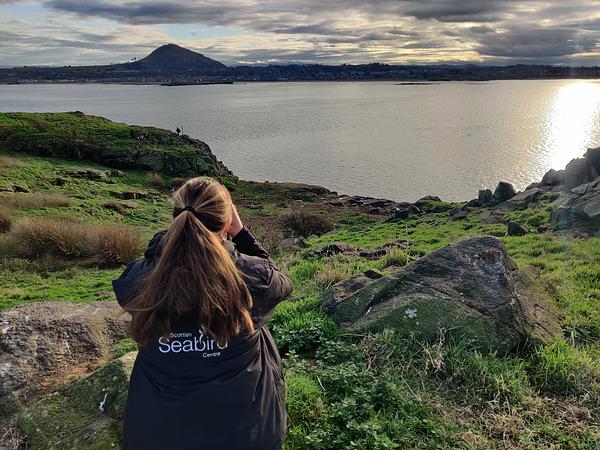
pixel 130 195
pixel 503 192
pixel 405 211
pixel 21 189
pixel 471 289
pixel 333 249
pixel 90 174
pixel 516 229
pixel 296 241
pixel 458 215
pixel 485 196
pixel 526 197
pixel 561 217
pixel 43 337
pixel 553 178
pixel 60 181
pixel 577 172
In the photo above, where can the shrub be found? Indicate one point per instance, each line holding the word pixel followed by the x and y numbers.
pixel 305 224
pixel 115 244
pixel 304 332
pixel 34 200
pixel 267 232
pixel 5 221
pixel 156 180
pixel 36 237
pixel 105 245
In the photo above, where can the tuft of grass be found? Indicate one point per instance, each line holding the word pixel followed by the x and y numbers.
pixel 107 245
pixel 35 237
pixel 563 369
pixel 34 200
pixel 116 244
pixel 9 162
pixel 303 223
pixel 6 221
pixel 156 180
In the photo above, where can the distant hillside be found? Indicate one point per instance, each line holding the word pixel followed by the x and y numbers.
pixel 173 58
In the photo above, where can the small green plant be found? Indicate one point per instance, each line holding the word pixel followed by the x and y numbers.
pixel 123 347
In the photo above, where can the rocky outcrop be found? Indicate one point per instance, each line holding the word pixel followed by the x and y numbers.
pixel 347 249
pixel 503 192
pixel 39 338
pixel 579 207
pixel 577 172
pixel 79 136
pixel 471 289
pixel 86 414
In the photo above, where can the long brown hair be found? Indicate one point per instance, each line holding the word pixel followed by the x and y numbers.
pixel 194 274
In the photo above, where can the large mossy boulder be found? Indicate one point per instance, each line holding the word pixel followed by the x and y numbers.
pixel 79 136
pixel 86 414
pixel 41 338
pixel 468 290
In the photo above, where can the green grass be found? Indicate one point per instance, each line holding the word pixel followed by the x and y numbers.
pixel 373 391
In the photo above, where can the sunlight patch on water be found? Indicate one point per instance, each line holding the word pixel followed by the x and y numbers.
pixel 572 119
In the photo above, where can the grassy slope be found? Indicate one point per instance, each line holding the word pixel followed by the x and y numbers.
pixel 374 391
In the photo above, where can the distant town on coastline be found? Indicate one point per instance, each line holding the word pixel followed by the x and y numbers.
pixel 173 65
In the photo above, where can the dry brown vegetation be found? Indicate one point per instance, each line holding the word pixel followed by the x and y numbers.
pixel 305 224
pixel 115 205
pixel 267 231
pixel 156 180
pixel 116 244
pixel 5 221
pixel 104 245
pixel 7 162
pixel 33 200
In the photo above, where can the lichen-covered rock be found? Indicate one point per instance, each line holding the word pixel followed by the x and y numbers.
pixel 471 289
pixel 86 414
pixel 43 337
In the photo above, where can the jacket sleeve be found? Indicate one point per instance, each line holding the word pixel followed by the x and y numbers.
pixel 266 283
pixel 125 287
pixel 246 243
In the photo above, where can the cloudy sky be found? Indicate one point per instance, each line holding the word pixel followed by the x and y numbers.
pixel 57 32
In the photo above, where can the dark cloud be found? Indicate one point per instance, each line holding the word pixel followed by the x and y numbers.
pixel 332 31
pixel 537 42
pixel 458 10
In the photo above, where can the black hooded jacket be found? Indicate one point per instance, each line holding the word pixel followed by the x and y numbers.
pixel 189 393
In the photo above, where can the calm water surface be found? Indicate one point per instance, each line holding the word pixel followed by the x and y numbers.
pixel 369 138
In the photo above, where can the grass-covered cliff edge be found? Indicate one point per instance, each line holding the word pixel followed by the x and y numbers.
pixel 80 195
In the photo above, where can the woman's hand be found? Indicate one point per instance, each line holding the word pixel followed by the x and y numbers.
pixel 236 223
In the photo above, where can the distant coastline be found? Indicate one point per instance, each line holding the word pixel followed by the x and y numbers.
pixel 174 65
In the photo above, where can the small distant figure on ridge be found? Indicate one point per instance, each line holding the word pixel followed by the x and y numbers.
pixel 178 131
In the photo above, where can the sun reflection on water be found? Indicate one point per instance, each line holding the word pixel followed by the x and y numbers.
pixel 572 119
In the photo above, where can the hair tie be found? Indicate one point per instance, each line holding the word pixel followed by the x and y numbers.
pixel 177 211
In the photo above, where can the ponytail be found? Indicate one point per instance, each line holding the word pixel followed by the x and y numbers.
pixel 195 274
